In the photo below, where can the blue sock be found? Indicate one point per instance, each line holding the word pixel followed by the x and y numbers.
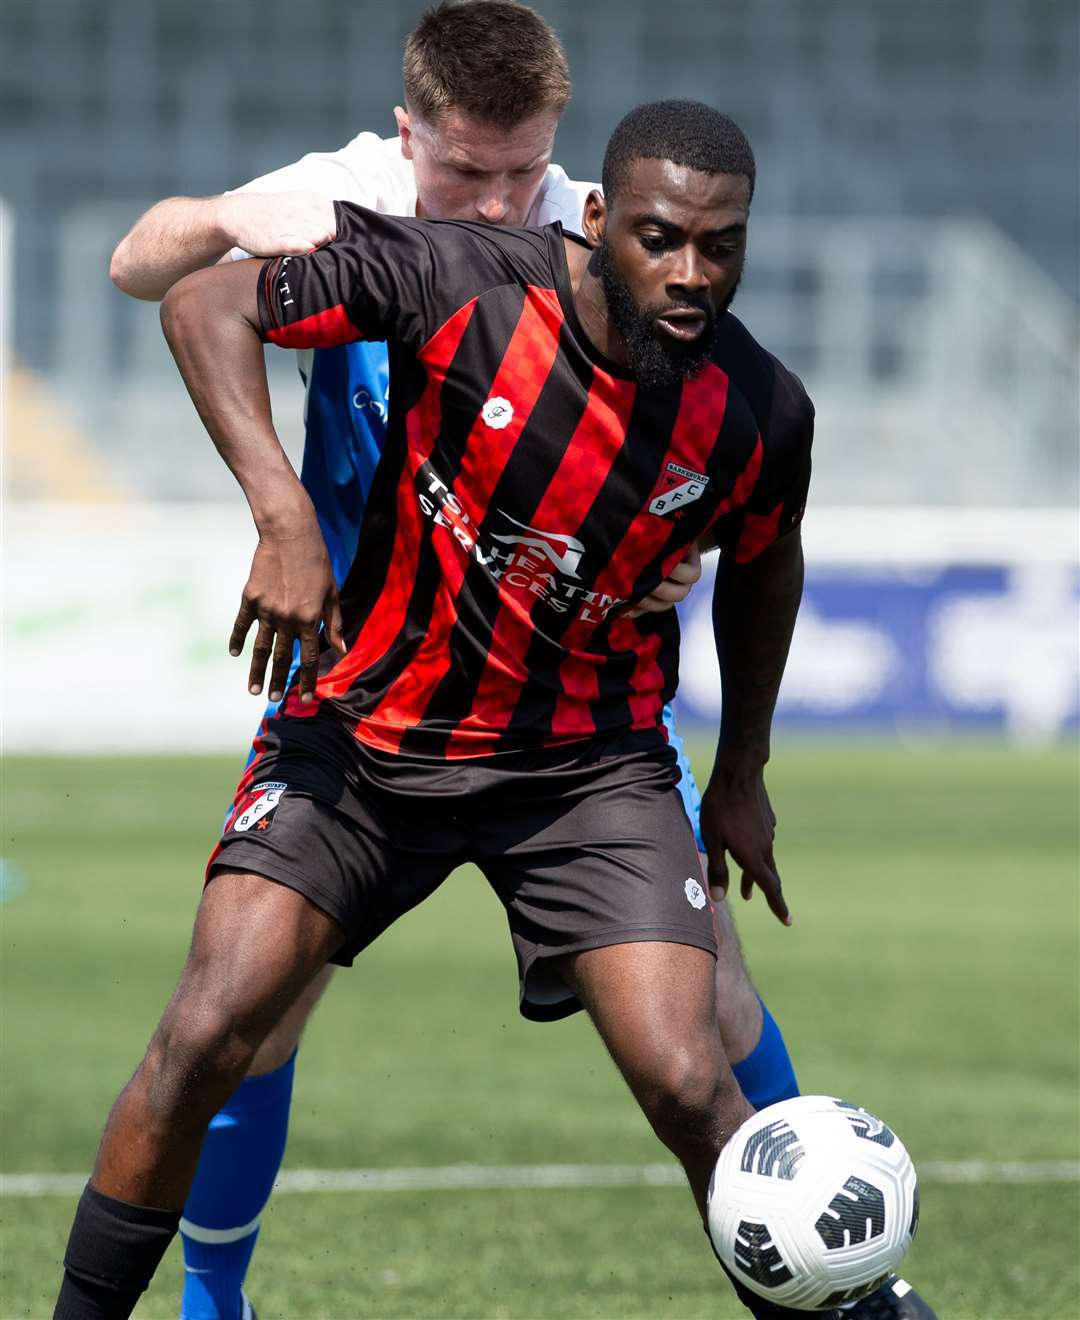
pixel 240 1160
pixel 767 1074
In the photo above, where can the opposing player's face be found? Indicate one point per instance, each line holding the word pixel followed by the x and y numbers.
pixel 469 170
pixel 671 251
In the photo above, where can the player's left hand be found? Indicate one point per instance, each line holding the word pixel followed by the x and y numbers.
pixel 737 819
pixel 674 588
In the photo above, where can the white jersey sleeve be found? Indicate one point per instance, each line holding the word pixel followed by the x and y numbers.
pixel 560 198
pixel 372 172
pixel 369 170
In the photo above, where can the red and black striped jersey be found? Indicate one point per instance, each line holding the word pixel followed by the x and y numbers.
pixel 529 491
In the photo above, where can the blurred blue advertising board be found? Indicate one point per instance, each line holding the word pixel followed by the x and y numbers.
pixel 925 645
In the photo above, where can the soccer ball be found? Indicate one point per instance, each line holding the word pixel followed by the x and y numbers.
pixel 813 1202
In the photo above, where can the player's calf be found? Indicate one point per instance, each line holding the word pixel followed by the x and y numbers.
pixel 256 946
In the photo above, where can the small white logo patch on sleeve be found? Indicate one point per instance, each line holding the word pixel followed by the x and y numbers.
pixel 695 895
pixel 497 413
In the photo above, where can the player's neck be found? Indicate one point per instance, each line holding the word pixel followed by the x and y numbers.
pixel 591 305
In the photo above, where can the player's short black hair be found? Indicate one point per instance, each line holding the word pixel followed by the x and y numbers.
pixel 496 60
pixel 685 132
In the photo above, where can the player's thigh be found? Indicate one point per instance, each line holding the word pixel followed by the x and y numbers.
pixel 363 855
pixel 601 854
pixel 284 1037
pixel 738 1009
pixel 654 1005
pixel 256 946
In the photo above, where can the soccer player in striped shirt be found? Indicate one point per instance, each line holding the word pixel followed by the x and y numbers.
pixel 564 424
pixel 480 147
pixel 479 153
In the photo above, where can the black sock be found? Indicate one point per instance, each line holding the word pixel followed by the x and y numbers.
pixel 112 1253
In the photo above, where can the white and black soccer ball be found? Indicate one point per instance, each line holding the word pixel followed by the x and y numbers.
pixel 813 1202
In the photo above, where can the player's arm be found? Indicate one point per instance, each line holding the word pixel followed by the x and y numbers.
pixel 183 234
pixel 383 277
pixel 212 322
pixel 754 610
pixel 756 597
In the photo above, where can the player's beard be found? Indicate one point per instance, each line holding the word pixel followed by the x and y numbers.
pixel 657 365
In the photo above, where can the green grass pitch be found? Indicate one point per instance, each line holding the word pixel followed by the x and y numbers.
pixel 931 975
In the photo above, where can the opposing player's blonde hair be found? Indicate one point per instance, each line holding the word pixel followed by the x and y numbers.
pixel 495 60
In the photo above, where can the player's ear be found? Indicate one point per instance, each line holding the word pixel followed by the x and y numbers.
pixel 404 128
pixel 594 217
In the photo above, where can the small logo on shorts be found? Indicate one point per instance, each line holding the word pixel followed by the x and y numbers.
pixel 497 413
pixel 256 805
pixel 695 895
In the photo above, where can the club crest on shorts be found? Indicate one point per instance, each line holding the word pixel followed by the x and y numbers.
pixel 678 486
pixel 695 895
pixel 254 808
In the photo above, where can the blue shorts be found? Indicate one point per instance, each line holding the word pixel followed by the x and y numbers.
pixel 688 789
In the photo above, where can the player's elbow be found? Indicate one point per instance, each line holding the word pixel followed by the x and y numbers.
pixel 120 268
pixel 129 278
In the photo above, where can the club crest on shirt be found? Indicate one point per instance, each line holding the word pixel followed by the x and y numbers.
pixel 678 486
pixel 497 413
pixel 254 808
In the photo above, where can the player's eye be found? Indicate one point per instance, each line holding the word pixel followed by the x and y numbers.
pixel 653 242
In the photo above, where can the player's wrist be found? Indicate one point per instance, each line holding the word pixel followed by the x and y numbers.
pixel 283 511
pixel 223 222
pixel 739 761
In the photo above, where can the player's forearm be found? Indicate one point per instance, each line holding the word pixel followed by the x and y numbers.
pixel 211 322
pixel 754 610
pixel 173 238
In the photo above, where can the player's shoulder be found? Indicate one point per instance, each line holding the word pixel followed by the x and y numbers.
pixel 378 174
pixel 368 170
pixel 560 198
pixel 468 256
pixel 776 395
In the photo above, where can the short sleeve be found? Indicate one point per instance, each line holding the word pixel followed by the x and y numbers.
pixel 778 499
pixel 391 277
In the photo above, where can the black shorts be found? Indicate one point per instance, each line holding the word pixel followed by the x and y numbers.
pixel 586 845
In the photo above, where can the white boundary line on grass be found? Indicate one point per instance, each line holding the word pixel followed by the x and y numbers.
pixel 520 1177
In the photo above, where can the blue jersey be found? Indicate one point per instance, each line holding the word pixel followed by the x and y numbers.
pixel 348 389
pixel 345 417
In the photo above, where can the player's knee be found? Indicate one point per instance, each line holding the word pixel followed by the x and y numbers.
pixel 689 1091
pixel 198 1056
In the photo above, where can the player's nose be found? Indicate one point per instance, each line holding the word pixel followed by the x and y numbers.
pixel 494 209
pixel 689 274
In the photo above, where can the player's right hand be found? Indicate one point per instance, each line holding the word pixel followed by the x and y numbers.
pixel 290 591
pixel 278 224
